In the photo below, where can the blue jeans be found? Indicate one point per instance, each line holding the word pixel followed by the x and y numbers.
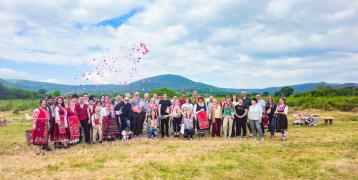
pixel 151 132
pixel 125 122
pixel 272 124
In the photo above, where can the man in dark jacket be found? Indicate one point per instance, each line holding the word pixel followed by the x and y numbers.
pixel 124 110
pixel 50 106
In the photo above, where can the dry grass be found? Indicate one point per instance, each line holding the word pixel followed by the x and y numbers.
pixel 324 152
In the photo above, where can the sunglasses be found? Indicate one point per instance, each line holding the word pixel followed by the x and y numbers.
pixel 126 100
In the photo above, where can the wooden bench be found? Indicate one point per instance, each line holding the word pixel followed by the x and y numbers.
pixel 328 120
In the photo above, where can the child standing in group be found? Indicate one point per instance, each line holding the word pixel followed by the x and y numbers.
pixel 96 121
pixel 188 122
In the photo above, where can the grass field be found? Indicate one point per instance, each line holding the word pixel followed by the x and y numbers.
pixel 324 152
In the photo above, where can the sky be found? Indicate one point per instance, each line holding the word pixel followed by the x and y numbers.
pixel 226 43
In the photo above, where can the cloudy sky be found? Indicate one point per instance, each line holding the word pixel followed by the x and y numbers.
pixel 237 44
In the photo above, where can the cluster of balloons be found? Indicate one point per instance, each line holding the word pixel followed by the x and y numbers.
pixel 117 66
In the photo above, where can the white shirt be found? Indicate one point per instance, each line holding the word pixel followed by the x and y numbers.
pixel 262 104
pixel 284 111
pixel 255 112
pixel 187 107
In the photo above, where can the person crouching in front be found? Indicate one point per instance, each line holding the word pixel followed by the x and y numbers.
pixel 188 121
pixel 152 127
pixel 96 121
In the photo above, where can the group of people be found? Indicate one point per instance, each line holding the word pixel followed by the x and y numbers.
pixel 66 122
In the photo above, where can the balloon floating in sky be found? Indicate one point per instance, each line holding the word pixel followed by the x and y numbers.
pixel 117 66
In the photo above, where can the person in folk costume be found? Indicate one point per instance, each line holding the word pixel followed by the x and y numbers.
pixel 59 135
pixel 201 107
pixel 103 100
pixel 228 117
pixel 96 120
pixel 73 129
pixel 74 98
pixel 91 111
pixel 182 99
pixel 65 102
pixel 137 106
pixel 40 125
pixel 104 113
pixel 82 112
pixel 176 114
pixel 113 124
pixel 281 118
pixel 216 118
pixel 50 108
pixel 85 98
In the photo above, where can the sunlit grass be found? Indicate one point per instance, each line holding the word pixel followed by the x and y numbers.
pixel 323 152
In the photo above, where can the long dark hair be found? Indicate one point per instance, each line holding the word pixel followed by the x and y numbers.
pixel 42 99
pixel 63 102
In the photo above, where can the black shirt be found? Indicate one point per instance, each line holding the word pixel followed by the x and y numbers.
pixel 240 109
pixel 126 110
pixel 273 108
pixel 164 105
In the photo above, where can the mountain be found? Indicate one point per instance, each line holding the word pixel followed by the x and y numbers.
pixel 170 81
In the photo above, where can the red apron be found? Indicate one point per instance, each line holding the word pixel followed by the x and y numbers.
pixel 203 120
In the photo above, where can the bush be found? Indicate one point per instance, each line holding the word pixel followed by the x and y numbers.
pixel 16 111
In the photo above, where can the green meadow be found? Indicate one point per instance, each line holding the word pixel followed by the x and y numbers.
pixel 322 152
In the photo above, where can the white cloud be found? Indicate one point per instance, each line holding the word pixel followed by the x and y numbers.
pixel 7 73
pixel 251 43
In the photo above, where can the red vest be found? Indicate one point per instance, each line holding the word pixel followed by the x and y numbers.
pixel 82 112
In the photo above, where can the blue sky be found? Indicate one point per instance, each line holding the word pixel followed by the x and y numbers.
pixel 230 43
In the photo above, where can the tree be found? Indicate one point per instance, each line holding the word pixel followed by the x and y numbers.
pixel 265 93
pixel 55 93
pixel 166 91
pixel 285 91
pixel 42 91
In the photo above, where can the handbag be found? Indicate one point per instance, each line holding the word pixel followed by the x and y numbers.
pixel 265 121
pixel 268 111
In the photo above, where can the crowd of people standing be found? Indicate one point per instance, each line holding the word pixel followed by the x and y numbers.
pixel 66 122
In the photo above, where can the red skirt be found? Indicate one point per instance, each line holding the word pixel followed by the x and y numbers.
pixel 73 131
pixel 39 135
pixel 59 131
pixel 203 121
pixel 104 126
pixel 113 128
